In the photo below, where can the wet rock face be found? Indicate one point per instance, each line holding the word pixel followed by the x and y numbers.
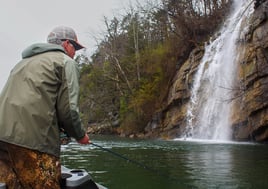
pixel 250 112
pixel 250 103
pixel 173 117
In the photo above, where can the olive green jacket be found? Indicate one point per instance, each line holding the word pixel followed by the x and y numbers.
pixel 41 95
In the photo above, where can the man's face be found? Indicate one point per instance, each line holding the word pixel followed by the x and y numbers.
pixel 69 48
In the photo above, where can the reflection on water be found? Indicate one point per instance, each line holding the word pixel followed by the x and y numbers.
pixel 173 164
pixel 208 164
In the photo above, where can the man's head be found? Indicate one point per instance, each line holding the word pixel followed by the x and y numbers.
pixel 66 37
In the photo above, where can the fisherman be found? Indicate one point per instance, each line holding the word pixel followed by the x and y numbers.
pixel 39 98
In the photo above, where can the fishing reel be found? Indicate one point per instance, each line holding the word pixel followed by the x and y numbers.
pixel 64 137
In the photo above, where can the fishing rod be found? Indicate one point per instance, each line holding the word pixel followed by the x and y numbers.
pixel 140 165
pixel 123 157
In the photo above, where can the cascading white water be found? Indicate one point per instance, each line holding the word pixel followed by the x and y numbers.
pixel 209 109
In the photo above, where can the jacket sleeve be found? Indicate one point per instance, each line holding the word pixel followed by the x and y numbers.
pixel 67 102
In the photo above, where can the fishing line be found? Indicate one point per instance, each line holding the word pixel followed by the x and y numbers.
pixel 141 165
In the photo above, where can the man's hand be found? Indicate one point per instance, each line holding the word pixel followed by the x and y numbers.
pixel 84 140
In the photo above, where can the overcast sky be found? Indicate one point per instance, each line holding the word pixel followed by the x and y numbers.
pixel 24 22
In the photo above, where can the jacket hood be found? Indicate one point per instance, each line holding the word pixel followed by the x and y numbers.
pixel 39 48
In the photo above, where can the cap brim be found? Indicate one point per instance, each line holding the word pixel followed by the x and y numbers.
pixel 77 45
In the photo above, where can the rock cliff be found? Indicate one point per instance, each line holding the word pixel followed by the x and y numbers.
pixel 249 120
pixel 250 113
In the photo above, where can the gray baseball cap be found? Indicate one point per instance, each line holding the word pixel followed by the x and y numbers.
pixel 62 33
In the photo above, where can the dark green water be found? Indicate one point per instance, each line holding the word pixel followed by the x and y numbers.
pixel 172 164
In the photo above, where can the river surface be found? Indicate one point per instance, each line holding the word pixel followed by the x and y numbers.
pixel 158 164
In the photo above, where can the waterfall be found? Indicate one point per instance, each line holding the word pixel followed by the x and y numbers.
pixel 208 113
